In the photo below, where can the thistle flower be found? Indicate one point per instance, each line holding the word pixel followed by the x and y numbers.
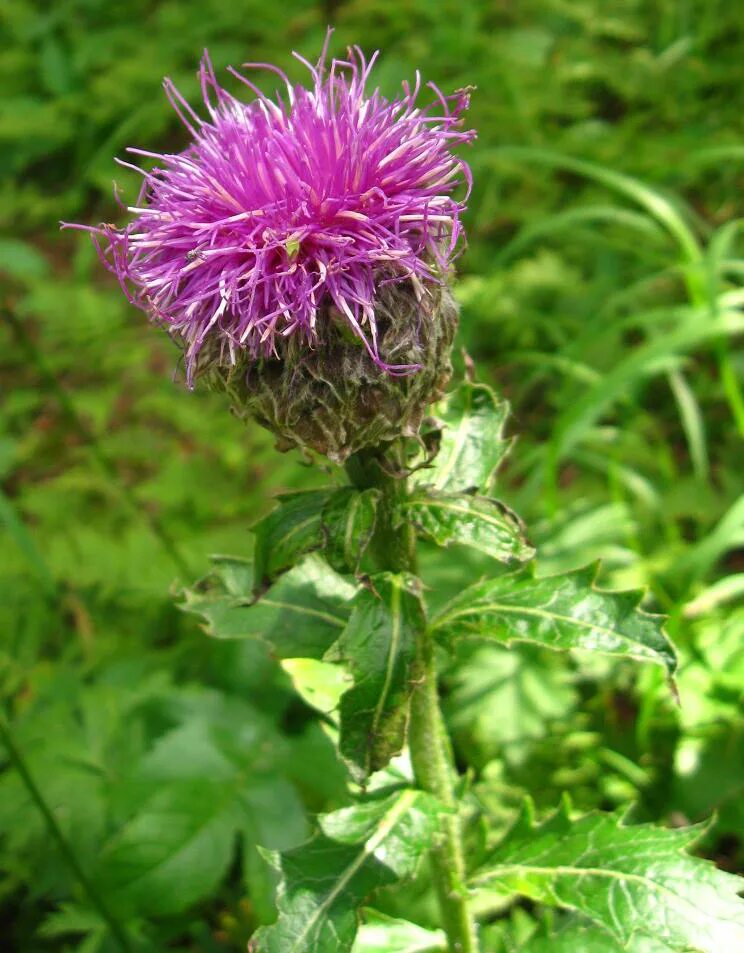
pixel 287 217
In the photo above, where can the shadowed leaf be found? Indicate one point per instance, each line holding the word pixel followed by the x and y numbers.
pixel 379 644
pixel 300 616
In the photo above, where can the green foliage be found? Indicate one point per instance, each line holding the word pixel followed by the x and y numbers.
pixel 300 616
pixel 560 612
pixel 356 850
pixel 476 521
pixel 379 644
pixel 471 445
pixel 628 880
pixel 600 293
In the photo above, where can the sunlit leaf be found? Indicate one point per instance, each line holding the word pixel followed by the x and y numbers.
pixel 559 612
pixel 381 934
pixel 476 521
pixel 326 881
pixel 626 879
pixel 472 443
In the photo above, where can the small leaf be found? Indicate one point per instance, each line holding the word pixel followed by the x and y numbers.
pixel 300 616
pixel 476 521
pixel 472 444
pixel 325 881
pixel 290 531
pixel 320 684
pixel 379 644
pixel 559 612
pixel 627 880
pixel 382 934
pixel 348 522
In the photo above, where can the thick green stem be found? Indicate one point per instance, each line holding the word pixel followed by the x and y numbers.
pixel 394 548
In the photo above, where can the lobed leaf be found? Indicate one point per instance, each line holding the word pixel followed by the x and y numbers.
pixel 324 882
pixel 300 616
pixel 472 442
pixel 628 880
pixel 476 521
pixel 559 612
pixel 379 643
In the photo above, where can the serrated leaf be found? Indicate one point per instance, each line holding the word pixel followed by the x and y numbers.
pixel 627 880
pixel 379 644
pixel 300 616
pixel 290 531
pixel 472 443
pixel 325 881
pixel 382 934
pixel 476 521
pixel 347 525
pixel 559 612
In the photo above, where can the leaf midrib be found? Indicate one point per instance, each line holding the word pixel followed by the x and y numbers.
pixel 568 870
pixel 369 847
pixel 531 610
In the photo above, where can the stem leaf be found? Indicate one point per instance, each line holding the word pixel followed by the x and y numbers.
pixel 325 881
pixel 476 521
pixel 379 644
pixel 558 612
pixel 347 526
pixel 300 616
pixel 290 531
pixel 472 443
pixel 628 880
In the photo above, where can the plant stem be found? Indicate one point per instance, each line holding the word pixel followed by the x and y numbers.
pixel 19 763
pixel 394 548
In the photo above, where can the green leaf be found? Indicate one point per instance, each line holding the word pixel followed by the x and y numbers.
pixel 300 616
pixel 476 521
pixel 575 935
pixel 499 702
pixel 348 522
pixel 559 612
pixel 290 531
pixel 379 643
pixel 382 934
pixel 325 881
pixel 472 444
pixel 320 684
pixel 174 851
pixel 627 880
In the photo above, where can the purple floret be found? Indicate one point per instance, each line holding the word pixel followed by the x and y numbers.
pixel 282 207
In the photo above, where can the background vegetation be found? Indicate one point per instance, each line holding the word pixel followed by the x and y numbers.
pixel 601 293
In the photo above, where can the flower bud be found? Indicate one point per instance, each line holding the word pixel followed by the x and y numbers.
pixel 334 398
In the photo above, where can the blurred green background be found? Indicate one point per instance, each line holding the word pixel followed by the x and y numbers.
pixel 601 293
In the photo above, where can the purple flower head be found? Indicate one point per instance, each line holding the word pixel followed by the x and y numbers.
pixel 280 208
